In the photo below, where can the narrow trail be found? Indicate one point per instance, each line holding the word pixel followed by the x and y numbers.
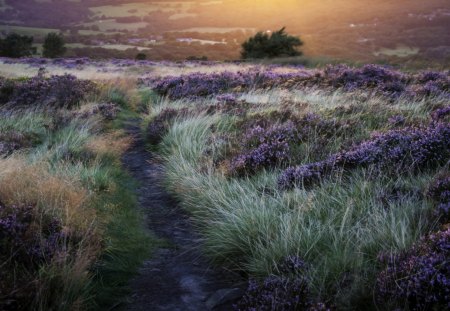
pixel 177 276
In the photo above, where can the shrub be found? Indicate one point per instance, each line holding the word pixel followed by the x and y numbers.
pixel 276 144
pixel 54 45
pixel 13 140
pixel 17 46
pixel 54 92
pixel 418 279
pixel 27 242
pixel 281 293
pixel 379 80
pixel 441 114
pixel 439 191
pixel 405 149
pixel 141 56
pixel 158 127
pixel 278 44
pixel 266 148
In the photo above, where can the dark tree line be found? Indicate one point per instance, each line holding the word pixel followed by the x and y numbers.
pixel 16 46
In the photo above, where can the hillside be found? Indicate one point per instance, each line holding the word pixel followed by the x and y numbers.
pixel 194 186
pixel 403 32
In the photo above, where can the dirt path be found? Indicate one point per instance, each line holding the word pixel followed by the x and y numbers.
pixel 176 277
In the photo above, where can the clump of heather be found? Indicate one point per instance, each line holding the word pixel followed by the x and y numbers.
pixel 198 84
pixel 226 98
pixel 439 191
pixel 398 150
pixel 275 293
pixel 24 249
pixel 441 114
pixel 108 111
pixel 201 85
pixel 158 127
pixel 397 120
pixel 418 279
pixel 431 83
pixel 12 140
pixel 266 148
pixel 229 104
pixel 375 77
pixel 378 80
pixel 19 239
pixel 283 293
pixel 54 92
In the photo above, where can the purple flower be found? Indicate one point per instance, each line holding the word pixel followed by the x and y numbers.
pixel 418 279
pixel 406 149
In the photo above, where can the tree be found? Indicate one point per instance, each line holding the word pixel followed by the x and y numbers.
pixel 279 43
pixel 141 56
pixel 54 45
pixel 16 46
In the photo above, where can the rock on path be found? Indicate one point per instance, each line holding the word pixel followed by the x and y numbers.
pixel 176 277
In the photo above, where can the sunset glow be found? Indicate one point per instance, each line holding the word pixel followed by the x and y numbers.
pixel 224 155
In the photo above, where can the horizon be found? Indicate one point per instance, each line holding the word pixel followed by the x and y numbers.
pixel 396 32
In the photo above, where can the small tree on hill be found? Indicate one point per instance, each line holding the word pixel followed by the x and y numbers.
pixel 141 56
pixel 54 45
pixel 15 45
pixel 263 45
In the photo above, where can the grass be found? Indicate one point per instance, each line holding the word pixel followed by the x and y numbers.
pixel 72 172
pixel 339 229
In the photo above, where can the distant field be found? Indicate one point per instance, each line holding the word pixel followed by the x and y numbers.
pixel 141 9
pixel 123 47
pixel 400 51
pixel 85 32
pixel 119 47
pixel 182 15
pixel 111 24
pixel 28 31
pixel 215 29
pixel 3 5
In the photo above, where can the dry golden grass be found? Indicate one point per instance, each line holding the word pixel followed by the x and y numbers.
pixel 62 197
pixel 113 143
pixel 23 183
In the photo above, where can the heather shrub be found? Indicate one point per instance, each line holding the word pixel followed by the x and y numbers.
pixel 397 120
pixel 288 291
pixel 367 77
pixel 108 111
pixel 228 104
pixel 374 79
pixel 198 84
pixel 266 148
pixel 13 140
pixel 431 83
pixel 441 114
pixel 158 127
pixel 418 279
pixel 51 234
pixel 275 293
pixel 439 192
pixel 281 144
pixel 397 151
pixel 54 92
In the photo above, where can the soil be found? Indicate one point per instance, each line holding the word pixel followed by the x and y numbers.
pixel 176 276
